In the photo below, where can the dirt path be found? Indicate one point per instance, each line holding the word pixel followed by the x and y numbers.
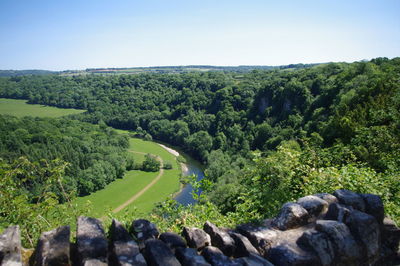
pixel 140 193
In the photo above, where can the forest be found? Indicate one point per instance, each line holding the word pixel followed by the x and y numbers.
pixel 95 153
pixel 266 136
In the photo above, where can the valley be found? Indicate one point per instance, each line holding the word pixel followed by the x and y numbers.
pixel 262 138
pixel 138 191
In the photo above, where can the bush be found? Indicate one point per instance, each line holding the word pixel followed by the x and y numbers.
pixel 167 165
pixel 150 163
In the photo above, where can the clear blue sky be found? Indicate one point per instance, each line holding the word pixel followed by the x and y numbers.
pixel 71 34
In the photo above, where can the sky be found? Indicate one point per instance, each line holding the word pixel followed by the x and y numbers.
pixel 72 34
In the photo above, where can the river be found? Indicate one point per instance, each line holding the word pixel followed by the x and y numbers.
pixel 185 197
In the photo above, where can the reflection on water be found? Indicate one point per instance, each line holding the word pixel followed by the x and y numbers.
pixel 185 196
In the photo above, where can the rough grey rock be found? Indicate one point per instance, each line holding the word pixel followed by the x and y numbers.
pixel 118 232
pixel 172 240
pixel 314 205
pixel 124 250
pixel 291 215
pixel 320 244
pixel 157 253
pixel 94 262
pixel 338 212
pixel 220 239
pixel 216 258
pixel 91 241
pixel 10 247
pixel 243 246
pixel 262 238
pixel 196 238
pixel 365 229
pixel 254 260
pixel 143 230
pixel 189 257
pixel 346 249
pixel 374 206
pixel 390 240
pixel 327 197
pixel 291 254
pixel 350 198
pixel 53 247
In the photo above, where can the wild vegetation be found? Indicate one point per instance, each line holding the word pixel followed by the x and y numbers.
pixel 95 154
pixel 266 137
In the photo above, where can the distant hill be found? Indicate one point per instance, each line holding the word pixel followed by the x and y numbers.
pixel 189 68
pixel 14 73
pixel 155 69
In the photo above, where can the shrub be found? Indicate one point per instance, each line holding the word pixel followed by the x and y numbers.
pixel 150 163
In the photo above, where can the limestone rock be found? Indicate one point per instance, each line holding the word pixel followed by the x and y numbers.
pixel 262 238
pixel 220 239
pixel 374 206
pixel 144 229
pixel 54 248
pixel 95 262
pixel 91 242
pixel 196 238
pixel 10 247
pixel 313 205
pixel 291 254
pixel 173 240
pixel 338 212
pixel 189 257
pixel 346 249
pixel 350 198
pixel 291 215
pixel 243 246
pixel 320 244
pixel 327 197
pixel 254 260
pixel 365 229
pixel 216 258
pixel 118 232
pixel 157 253
pixel 124 250
pixel 390 240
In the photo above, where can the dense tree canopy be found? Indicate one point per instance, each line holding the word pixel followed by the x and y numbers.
pixel 96 154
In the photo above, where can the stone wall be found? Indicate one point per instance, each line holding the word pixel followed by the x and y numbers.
pixel 344 228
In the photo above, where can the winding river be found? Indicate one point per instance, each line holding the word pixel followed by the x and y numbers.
pixel 193 167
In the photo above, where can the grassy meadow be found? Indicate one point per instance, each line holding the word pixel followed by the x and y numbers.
pixel 104 201
pixel 20 108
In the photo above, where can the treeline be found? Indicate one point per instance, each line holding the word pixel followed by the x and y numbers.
pixel 96 155
pixel 209 111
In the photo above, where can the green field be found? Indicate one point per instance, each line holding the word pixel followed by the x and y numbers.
pixel 21 108
pixel 119 191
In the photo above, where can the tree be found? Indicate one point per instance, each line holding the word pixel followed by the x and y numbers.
pixel 200 143
pixel 150 163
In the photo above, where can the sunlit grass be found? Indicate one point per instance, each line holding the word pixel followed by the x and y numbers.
pixel 20 108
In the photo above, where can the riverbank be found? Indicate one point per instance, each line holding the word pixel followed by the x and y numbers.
pixel 184 167
pixel 151 187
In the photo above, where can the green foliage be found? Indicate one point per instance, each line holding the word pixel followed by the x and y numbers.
pixel 151 163
pixel 44 213
pixel 96 154
pixel 358 179
pixel 167 165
